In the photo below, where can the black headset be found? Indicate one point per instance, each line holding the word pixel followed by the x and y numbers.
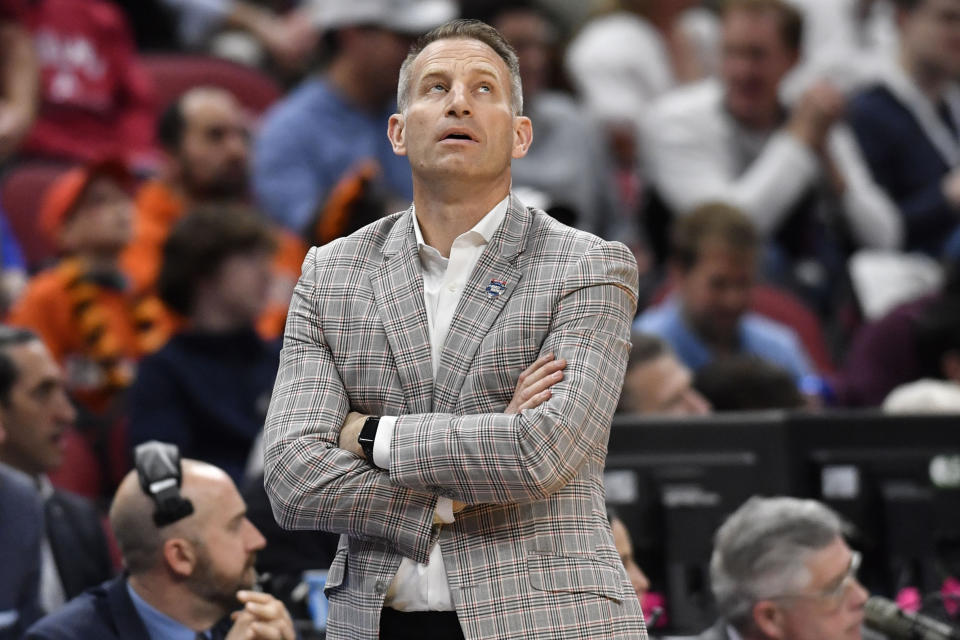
pixel 158 467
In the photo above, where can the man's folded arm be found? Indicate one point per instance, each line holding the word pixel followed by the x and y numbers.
pixel 313 484
pixel 499 458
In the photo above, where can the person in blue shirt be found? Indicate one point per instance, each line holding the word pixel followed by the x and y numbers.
pixel 714 261
pixel 329 135
pixel 189 578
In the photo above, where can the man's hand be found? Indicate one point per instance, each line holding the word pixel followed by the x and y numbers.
pixel 533 386
pixel 815 113
pixel 350 433
pixel 263 617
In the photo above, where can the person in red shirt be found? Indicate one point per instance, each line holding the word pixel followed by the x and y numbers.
pixel 96 99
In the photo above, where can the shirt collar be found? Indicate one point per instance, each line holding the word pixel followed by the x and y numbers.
pixel 483 230
pixel 159 625
pixel 45 486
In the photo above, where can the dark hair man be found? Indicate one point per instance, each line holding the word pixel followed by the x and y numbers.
pixel 781 571
pixel 35 413
pixel 793 170
pixel 405 344
pixel 714 261
pixel 184 577
pixel 656 382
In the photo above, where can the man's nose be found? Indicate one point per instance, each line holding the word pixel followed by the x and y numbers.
pixel 255 539
pixel 458 104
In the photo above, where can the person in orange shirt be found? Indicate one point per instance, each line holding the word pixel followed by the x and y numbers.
pixel 207 148
pixel 84 308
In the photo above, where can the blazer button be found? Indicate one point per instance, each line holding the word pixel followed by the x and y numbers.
pixel 380 587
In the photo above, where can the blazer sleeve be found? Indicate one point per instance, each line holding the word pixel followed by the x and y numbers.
pixel 311 483
pixel 499 458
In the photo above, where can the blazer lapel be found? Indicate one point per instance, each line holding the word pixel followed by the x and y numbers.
pixel 125 616
pixel 491 284
pixel 398 290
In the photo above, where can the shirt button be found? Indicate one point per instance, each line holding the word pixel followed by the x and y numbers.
pixel 380 587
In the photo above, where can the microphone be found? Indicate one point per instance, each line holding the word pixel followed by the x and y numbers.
pixel 886 617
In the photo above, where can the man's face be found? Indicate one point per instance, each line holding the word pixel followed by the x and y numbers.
pixel 715 292
pixel 830 607
pixel 931 34
pixel 754 61
pixel 459 123
pixel 227 549
pixel 214 152
pixel 102 220
pixel 662 386
pixel 530 36
pixel 37 413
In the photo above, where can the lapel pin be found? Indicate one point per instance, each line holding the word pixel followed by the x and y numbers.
pixel 495 288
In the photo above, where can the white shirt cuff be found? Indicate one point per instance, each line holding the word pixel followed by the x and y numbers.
pixel 444 510
pixel 381 444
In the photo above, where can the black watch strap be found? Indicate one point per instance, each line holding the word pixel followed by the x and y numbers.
pixel 368 435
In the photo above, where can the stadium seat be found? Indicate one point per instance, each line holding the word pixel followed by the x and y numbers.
pixel 20 193
pixel 173 74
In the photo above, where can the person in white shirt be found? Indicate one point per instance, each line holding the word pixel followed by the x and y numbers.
pixel 797 172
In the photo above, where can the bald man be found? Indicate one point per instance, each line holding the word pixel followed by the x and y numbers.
pixel 184 578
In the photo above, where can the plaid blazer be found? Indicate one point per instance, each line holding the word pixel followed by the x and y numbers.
pixel 533 556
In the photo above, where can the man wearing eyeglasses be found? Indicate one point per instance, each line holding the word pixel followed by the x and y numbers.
pixel 781 570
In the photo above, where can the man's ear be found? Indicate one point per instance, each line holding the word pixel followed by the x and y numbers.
pixel 3 433
pixel 522 136
pixel 180 556
pixel 768 618
pixel 396 133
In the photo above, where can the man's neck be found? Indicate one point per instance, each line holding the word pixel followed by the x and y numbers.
pixel 102 262
pixel 176 602
pixel 342 75
pixel 446 212
pixel 209 316
pixel 929 79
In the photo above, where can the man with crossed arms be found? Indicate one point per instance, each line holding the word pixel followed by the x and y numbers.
pixel 447 383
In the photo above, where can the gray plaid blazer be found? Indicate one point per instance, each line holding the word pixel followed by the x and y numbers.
pixel 533 556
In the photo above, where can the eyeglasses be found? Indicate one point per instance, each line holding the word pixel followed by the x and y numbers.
pixel 834 594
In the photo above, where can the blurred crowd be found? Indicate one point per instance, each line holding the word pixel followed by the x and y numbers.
pixel 786 173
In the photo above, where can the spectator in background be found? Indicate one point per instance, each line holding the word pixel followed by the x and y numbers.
pixel 20 539
pixel 918 339
pixel 657 383
pixel 325 143
pixel 569 166
pixel 781 570
pixel 288 39
pixel 797 173
pixel 714 260
pixel 35 413
pixel 908 125
pixel 83 307
pixel 183 578
pixel 206 143
pixel 18 76
pixel 96 100
pixel 747 383
pixel 621 539
pixel 208 389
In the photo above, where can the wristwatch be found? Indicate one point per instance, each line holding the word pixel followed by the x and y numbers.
pixel 368 435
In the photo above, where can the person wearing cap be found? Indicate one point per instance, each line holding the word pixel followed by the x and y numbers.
pixel 82 307
pixel 327 137
pixel 188 577
pixel 447 383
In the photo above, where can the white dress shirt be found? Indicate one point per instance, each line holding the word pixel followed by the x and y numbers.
pixel 417 586
pixel 695 153
pixel 52 594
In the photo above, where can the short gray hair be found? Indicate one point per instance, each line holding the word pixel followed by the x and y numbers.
pixel 468 30
pixel 761 550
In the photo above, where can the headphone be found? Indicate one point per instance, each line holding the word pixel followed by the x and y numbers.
pixel 158 467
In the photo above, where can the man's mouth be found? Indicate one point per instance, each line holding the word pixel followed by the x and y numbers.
pixel 458 134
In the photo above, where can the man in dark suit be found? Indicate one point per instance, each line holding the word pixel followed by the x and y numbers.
pixel 35 412
pixel 908 125
pixel 781 571
pixel 21 529
pixel 184 576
